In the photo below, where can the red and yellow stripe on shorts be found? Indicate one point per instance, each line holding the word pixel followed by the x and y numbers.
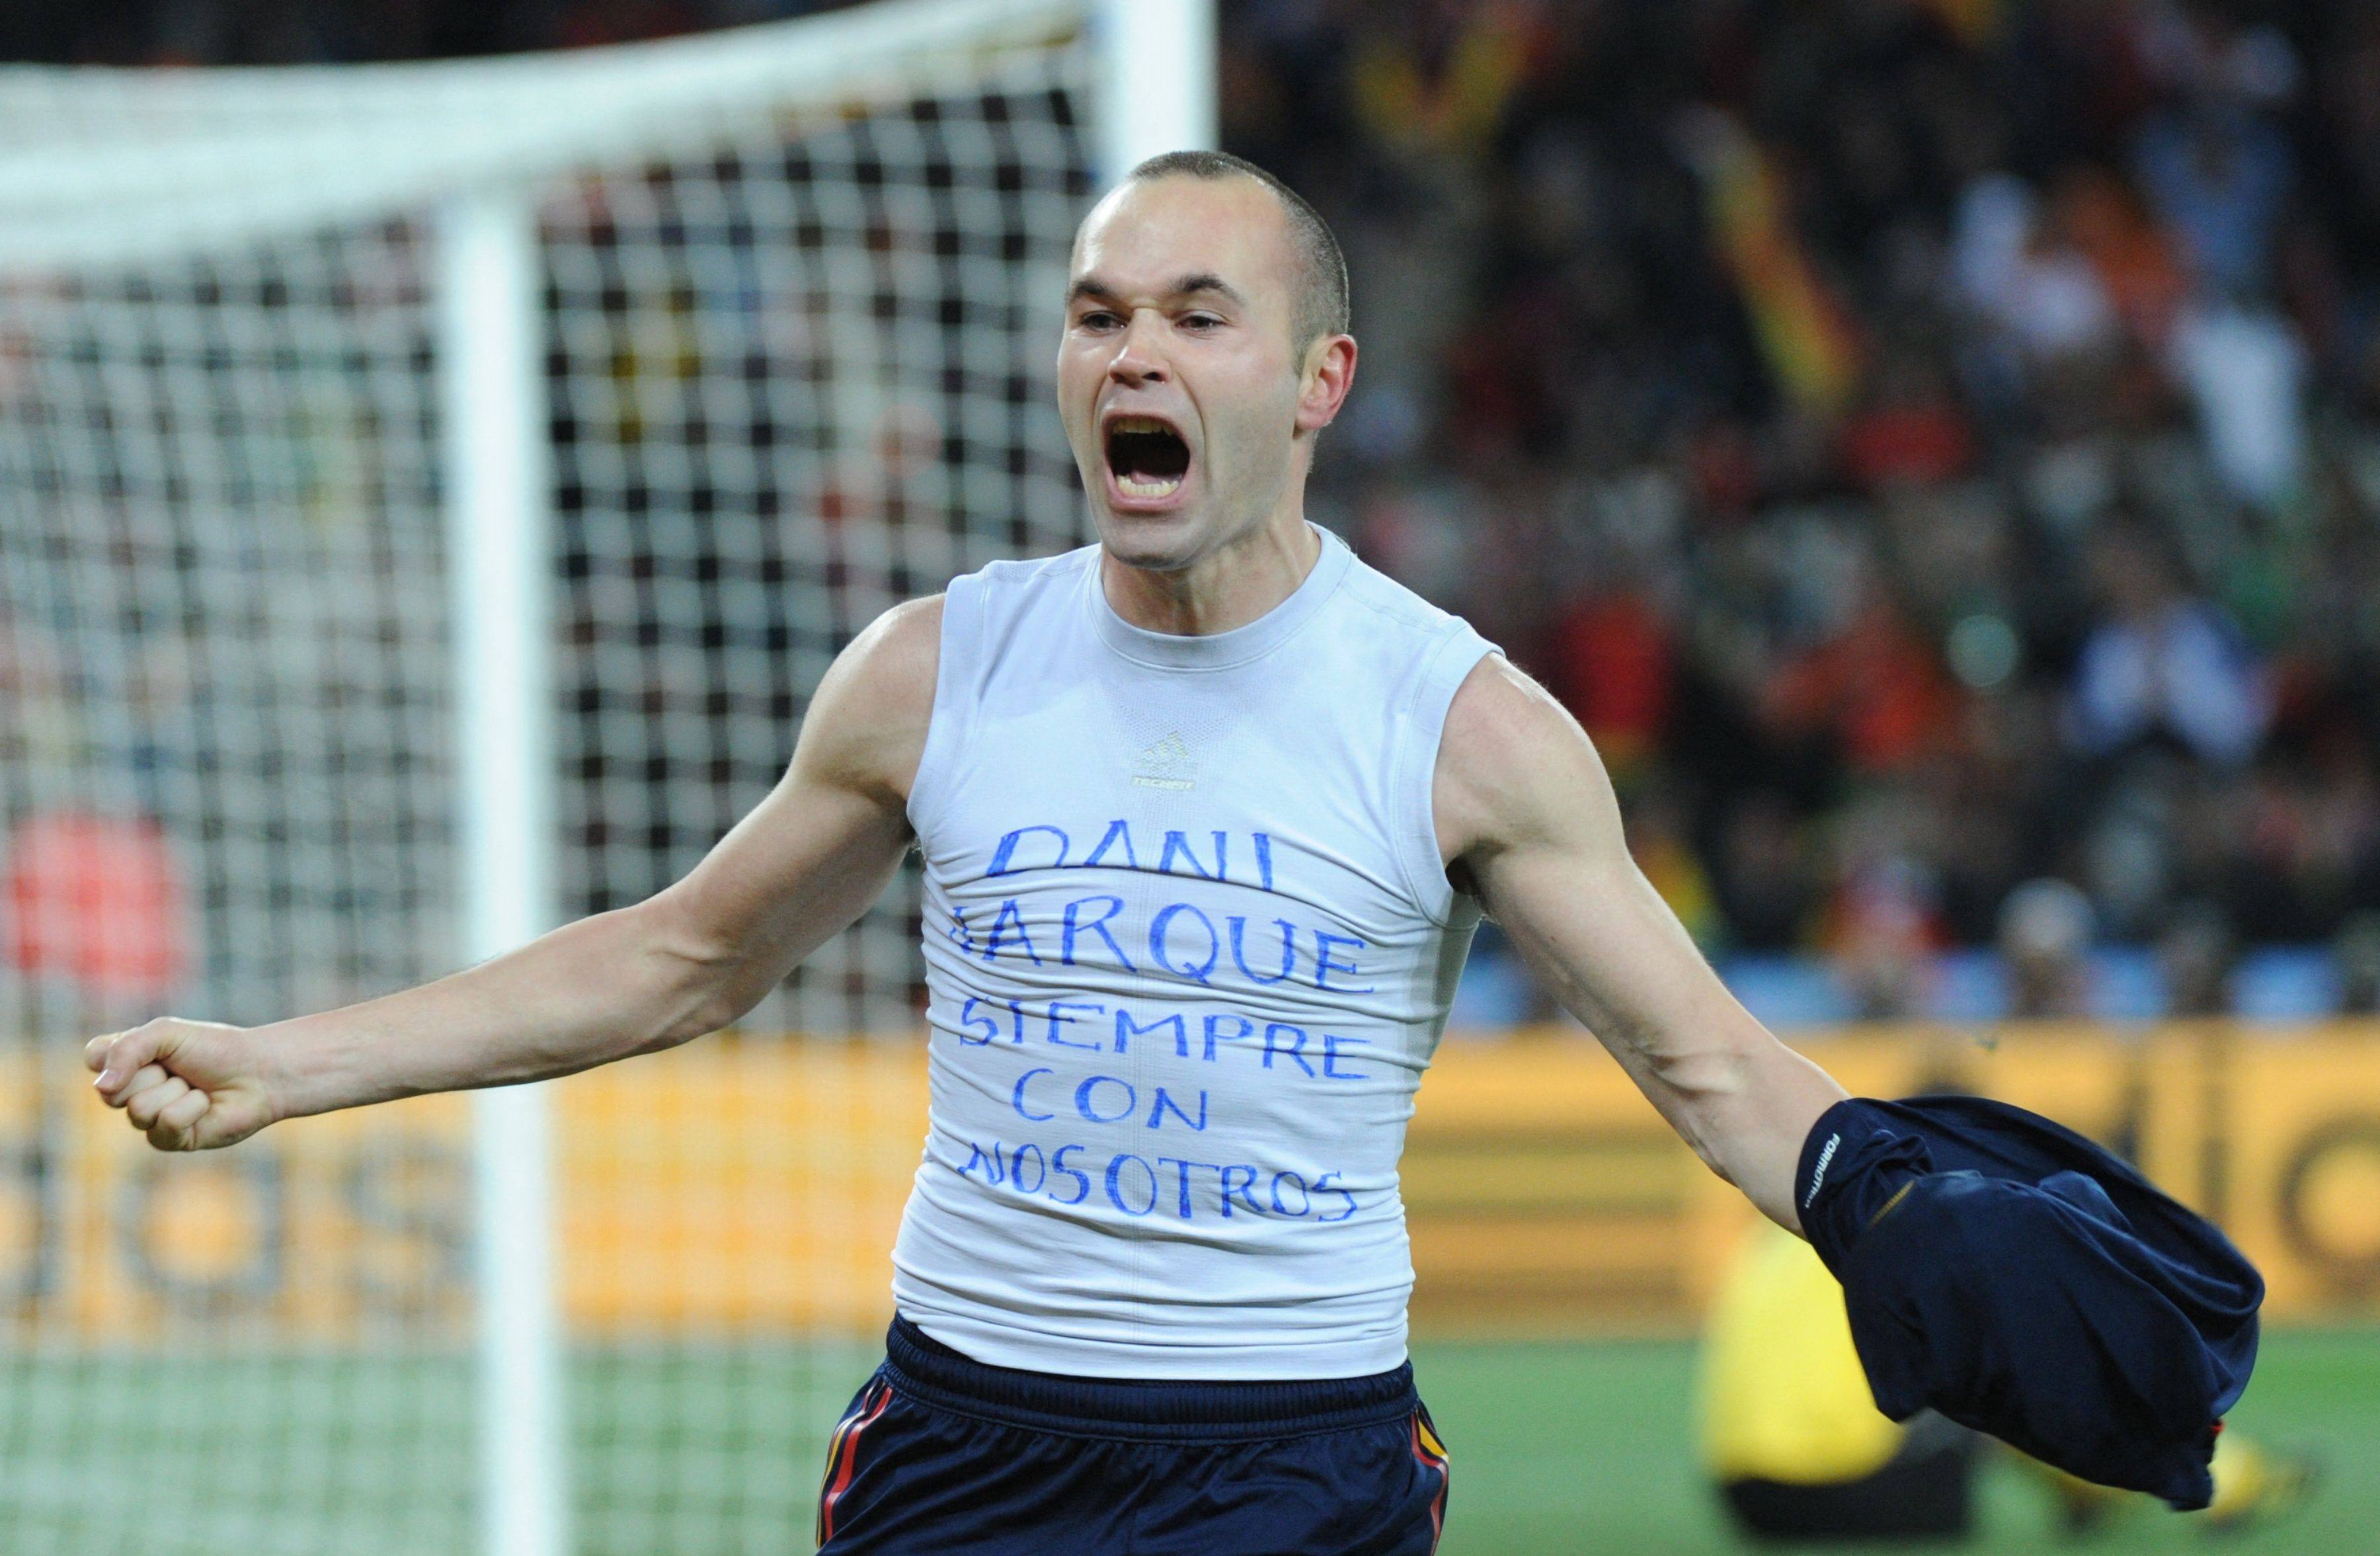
pixel 843 1452
pixel 1431 1453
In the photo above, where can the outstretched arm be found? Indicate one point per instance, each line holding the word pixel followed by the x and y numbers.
pixel 1528 821
pixel 807 861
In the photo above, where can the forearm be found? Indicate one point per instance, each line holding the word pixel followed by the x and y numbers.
pixel 1745 1103
pixel 601 989
pixel 1742 1100
pixel 798 868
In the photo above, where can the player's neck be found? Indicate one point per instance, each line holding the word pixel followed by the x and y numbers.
pixel 1229 587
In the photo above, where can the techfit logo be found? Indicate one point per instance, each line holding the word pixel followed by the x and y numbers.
pixel 1818 1174
pixel 1166 765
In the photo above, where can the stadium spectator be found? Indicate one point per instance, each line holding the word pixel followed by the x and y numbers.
pixel 2358 949
pixel 1883 922
pixel 2197 956
pixel 2045 938
pixel 1611 659
pixel 2245 372
pixel 2217 175
pixel 2161 664
pixel 2023 273
pixel 1874 688
pixel 1764 883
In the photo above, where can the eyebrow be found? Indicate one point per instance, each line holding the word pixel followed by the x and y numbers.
pixel 1183 285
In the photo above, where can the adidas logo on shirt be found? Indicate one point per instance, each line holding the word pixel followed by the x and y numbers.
pixel 1166 765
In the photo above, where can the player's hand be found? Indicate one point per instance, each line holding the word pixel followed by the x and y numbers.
pixel 187 1085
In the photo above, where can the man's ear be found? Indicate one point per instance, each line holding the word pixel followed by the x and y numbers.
pixel 1329 373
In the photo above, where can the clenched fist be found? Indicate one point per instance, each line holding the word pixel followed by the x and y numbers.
pixel 187 1085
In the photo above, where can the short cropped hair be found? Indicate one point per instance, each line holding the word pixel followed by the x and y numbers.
pixel 1322 305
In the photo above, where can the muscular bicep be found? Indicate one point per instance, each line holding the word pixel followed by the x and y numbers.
pixel 813 855
pixel 1527 817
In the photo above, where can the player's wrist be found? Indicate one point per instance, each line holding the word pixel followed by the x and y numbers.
pixel 286 1065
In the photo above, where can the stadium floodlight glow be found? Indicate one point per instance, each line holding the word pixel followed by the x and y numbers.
pixel 428 494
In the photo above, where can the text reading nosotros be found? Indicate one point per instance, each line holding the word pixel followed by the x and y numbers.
pixel 1142 1185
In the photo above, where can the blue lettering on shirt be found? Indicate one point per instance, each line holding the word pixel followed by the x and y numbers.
pixel 1178 843
pixel 1213 1029
pixel 968 1016
pixel 1009 914
pixel 1082 1179
pixel 1240 955
pixel 1330 1041
pixel 1059 1017
pixel 1324 967
pixel 1115 1194
pixel 1088 1090
pixel 1158 947
pixel 1069 929
pixel 1166 1105
pixel 1117 832
pixel 1127 1026
pixel 1006 852
pixel 1182 1178
pixel 1016 1098
pixel 1294 1052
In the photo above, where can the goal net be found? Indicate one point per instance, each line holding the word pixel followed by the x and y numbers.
pixel 794 299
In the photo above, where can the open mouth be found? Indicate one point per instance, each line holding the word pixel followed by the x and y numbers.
pixel 1146 456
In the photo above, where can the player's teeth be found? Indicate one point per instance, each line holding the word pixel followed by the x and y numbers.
pixel 1133 486
pixel 1138 424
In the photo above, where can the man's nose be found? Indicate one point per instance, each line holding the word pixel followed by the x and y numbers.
pixel 1138 359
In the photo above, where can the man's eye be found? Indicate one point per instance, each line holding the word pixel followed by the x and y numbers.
pixel 1099 319
pixel 1200 322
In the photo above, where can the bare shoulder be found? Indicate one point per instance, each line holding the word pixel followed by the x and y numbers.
pixel 866 727
pixel 1513 767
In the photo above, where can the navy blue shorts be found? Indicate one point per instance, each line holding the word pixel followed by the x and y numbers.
pixel 940 1456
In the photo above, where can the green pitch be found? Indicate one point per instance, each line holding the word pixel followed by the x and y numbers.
pixel 1562 1449
pixel 1559 1449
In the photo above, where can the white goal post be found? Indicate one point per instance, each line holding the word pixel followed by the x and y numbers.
pixel 428 494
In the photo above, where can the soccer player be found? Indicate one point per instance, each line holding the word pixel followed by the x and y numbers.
pixel 1209 811
pixel 1791 1437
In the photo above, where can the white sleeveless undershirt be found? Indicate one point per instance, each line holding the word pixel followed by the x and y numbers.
pixel 1190 946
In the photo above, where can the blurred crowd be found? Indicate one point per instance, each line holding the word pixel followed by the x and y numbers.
pixel 1930 443
pixel 1933 446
